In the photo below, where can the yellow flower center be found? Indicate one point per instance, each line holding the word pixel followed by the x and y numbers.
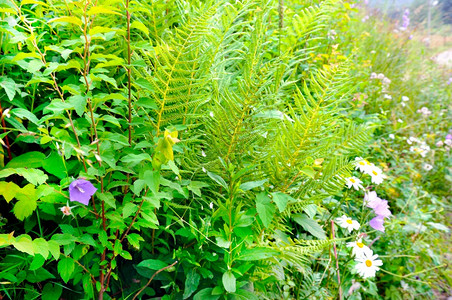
pixel 375 173
pixel 368 263
pixel 349 221
pixel 352 180
pixel 360 245
pixel 362 163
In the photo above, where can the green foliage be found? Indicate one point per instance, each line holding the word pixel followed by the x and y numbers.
pixel 218 135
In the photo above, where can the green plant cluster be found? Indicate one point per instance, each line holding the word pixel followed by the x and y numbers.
pixel 219 135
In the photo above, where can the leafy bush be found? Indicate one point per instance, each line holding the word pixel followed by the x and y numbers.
pixel 201 149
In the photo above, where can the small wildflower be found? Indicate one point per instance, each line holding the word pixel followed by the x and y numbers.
pixel 448 142
pixel 368 264
pixel 405 98
pixel 381 76
pixel 376 174
pixel 391 136
pixel 203 153
pixel 424 111
pixel 358 248
pixel 67 210
pixel 373 75
pixel 6 113
pixel 386 96
pixel 362 164
pixel 211 205
pixel 377 223
pixel 355 182
pixel 81 190
pixel 348 223
pixel 211 114
pixel 439 144
pixel 427 167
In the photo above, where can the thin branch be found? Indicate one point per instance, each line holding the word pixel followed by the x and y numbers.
pixel 152 277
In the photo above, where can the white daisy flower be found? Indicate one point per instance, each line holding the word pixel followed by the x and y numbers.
pixel 362 164
pixel 386 96
pixel 377 175
pixel 405 98
pixel 368 264
pixel 355 182
pixel 358 248
pixel 348 223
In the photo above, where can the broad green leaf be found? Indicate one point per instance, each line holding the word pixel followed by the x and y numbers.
pixel 218 179
pixel 128 210
pixel 134 240
pixel 252 184
pixel 152 180
pixel 134 159
pixel 34 176
pixel 153 264
pixel 54 165
pixel 102 10
pixel 41 246
pixel 8 190
pixel 108 198
pixel 143 83
pixel 54 249
pixel 191 283
pixel 27 202
pixel 110 80
pixel 72 20
pixel 23 243
pixel 221 242
pixel 38 261
pixel 58 107
pixel 40 275
pixel 206 294
pixel 25 114
pixel 140 26
pixel 78 102
pixel 125 254
pixel 229 281
pixel 51 292
pixel 66 267
pixel 32 159
pixel 308 171
pixel 45 139
pixel 23 2
pixel 281 200
pixel 310 226
pixel 9 86
pixel 257 253
pixel 265 209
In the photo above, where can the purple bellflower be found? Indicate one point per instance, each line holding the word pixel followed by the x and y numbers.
pixel 81 190
pixel 406 19
pixel 377 223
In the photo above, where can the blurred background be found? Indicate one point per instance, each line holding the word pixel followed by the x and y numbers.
pixel 429 20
